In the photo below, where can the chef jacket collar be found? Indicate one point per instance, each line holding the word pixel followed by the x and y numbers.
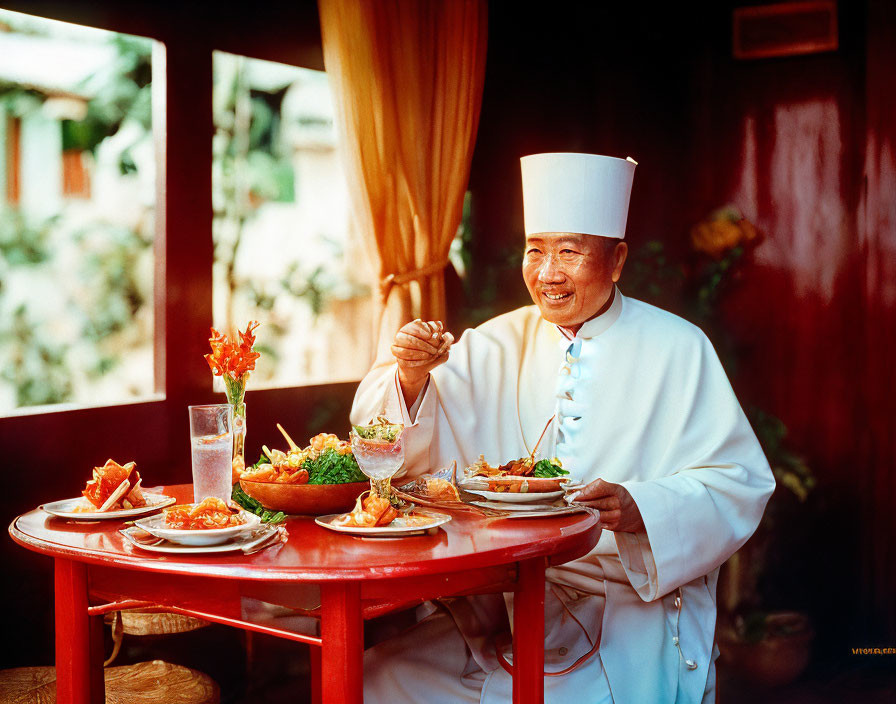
pixel 596 326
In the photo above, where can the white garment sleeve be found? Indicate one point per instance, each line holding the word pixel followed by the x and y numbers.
pixel 698 516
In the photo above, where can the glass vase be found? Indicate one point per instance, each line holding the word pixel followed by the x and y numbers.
pixel 239 438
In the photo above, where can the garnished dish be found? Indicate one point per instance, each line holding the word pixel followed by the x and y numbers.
pixel 370 510
pixel 321 478
pixel 326 460
pixel 208 514
pixel 114 491
pixel 521 480
pixel 209 522
pixel 113 487
pixel 520 476
pixel 374 514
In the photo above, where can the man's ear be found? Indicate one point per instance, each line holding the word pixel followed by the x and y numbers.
pixel 620 252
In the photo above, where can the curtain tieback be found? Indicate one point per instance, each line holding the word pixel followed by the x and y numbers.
pixel 387 283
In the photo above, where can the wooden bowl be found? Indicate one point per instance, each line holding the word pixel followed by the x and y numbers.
pixel 305 499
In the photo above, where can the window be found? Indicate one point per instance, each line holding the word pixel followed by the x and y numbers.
pixel 77 202
pixel 286 253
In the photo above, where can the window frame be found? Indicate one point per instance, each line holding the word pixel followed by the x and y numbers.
pixel 153 430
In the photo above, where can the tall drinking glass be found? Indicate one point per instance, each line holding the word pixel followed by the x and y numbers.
pixel 211 442
pixel 379 460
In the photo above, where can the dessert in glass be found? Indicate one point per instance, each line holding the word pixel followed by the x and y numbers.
pixel 379 452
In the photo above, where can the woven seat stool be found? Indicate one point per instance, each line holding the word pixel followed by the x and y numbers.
pixel 154 682
pixel 137 622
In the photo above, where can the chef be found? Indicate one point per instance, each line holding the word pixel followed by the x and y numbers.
pixel 645 418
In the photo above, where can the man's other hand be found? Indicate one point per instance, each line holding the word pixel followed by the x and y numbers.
pixel 419 347
pixel 618 510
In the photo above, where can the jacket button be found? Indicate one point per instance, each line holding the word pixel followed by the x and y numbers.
pixel 678 602
pixel 563 651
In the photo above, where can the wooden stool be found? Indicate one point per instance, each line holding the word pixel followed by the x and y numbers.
pixel 146 623
pixel 154 682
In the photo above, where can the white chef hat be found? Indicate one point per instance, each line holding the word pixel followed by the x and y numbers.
pixel 583 193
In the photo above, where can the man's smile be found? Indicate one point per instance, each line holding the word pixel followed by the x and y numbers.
pixel 556 296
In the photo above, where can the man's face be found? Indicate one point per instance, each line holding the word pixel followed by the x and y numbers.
pixel 569 276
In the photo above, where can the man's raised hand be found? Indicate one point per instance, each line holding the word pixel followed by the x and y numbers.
pixel 419 347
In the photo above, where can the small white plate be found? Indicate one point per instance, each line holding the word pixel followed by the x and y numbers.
pixel 240 542
pixel 518 498
pixel 66 508
pixel 200 537
pixel 395 529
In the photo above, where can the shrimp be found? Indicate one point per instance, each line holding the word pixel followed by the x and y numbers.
pixel 370 510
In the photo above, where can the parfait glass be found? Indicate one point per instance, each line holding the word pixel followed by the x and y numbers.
pixel 379 460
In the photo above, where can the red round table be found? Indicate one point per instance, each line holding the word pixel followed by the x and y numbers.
pixel 338 578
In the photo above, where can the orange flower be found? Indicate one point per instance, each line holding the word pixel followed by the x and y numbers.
pixel 721 232
pixel 231 359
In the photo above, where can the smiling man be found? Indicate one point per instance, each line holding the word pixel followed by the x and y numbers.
pixel 568 275
pixel 645 419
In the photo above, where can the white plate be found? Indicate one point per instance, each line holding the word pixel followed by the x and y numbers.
pixel 534 483
pixel 521 508
pixel 200 537
pixel 240 542
pixel 510 498
pixel 65 508
pixel 393 530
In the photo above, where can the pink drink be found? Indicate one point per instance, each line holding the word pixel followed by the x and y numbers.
pixel 212 466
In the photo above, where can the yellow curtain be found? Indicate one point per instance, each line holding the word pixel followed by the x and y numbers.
pixel 407 81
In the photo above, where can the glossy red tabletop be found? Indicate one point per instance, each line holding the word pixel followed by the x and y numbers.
pixel 317 554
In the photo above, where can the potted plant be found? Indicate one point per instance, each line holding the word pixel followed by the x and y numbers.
pixel 766 647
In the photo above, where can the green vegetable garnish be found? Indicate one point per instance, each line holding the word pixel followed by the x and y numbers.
pixel 380 430
pixel 332 468
pixel 241 498
pixel 546 469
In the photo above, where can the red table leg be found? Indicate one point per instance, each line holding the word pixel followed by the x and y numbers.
pixel 342 648
pixel 314 652
pixel 528 634
pixel 79 660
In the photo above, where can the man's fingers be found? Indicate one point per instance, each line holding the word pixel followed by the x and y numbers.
pixel 595 504
pixel 597 490
pixel 419 329
pixel 421 344
pixel 403 339
pixel 610 519
pixel 411 354
pixel 435 327
pixel 609 503
pixel 447 341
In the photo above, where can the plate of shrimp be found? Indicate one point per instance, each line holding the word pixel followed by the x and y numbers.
pixel 375 515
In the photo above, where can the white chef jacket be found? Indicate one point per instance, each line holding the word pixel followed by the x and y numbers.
pixel 640 399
